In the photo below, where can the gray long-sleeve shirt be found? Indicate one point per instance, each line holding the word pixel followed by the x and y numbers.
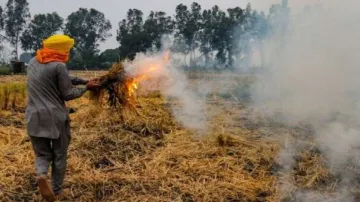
pixel 49 86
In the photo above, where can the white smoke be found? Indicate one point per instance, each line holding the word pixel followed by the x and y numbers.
pixel 165 76
pixel 313 76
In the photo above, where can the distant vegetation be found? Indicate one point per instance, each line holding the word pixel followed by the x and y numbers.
pixel 208 38
pixel 12 95
pixel 5 70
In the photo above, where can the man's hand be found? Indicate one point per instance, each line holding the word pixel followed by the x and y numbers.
pixel 93 80
pixel 93 85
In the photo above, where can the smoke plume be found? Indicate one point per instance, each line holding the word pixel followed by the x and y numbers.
pixel 313 76
pixel 163 75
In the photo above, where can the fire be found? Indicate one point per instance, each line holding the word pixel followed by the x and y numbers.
pixel 167 57
pixel 133 85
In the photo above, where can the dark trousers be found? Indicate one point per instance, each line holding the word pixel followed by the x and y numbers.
pixel 52 151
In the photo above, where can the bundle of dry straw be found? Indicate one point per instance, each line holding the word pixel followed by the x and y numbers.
pixel 116 87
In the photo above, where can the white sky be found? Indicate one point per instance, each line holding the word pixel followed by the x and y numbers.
pixel 115 10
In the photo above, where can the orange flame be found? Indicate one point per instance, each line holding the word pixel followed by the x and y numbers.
pixel 167 57
pixel 133 85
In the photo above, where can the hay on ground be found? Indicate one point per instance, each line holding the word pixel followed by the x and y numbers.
pixel 124 157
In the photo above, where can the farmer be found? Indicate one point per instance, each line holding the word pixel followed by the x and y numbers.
pixel 49 85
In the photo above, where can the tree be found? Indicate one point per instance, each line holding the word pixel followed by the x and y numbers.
pixel 135 35
pixel 2 37
pixel 225 33
pixel 156 26
pixel 188 24
pixel 206 34
pixel 40 27
pixel 235 32
pixel 220 34
pixel 1 23
pixel 89 28
pixel 131 35
pixel 17 13
pixel 259 31
pixel 108 57
pixel 211 34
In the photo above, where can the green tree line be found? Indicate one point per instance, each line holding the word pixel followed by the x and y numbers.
pixel 212 37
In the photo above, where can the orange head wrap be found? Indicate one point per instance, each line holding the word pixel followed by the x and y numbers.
pixel 55 49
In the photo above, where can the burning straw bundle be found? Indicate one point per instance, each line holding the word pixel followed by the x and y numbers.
pixel 116 87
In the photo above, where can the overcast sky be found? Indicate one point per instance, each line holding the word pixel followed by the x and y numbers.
pixel 115 10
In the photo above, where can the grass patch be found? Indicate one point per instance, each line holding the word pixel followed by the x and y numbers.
pixel 12 95
pixel 5 70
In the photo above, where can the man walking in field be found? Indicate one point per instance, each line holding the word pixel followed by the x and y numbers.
pixel 49 85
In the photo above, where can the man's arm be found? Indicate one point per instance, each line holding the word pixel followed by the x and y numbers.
pixel 78 81
pixel 67 91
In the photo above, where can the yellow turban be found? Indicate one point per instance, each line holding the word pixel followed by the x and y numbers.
pixel 62 43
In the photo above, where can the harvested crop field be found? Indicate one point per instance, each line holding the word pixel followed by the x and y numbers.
pixel 149 156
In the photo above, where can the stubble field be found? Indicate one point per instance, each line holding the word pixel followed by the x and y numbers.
pixel 149 156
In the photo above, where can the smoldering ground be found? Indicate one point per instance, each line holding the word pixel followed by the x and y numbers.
pixel 312 76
